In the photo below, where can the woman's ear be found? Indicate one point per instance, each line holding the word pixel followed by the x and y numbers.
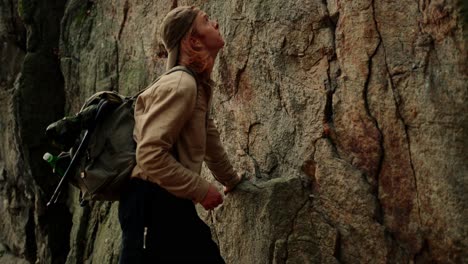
pixel 195 43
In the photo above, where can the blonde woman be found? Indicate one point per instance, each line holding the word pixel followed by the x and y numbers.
pixel 174 135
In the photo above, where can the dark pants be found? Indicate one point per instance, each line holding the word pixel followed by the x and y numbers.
pixel 174 232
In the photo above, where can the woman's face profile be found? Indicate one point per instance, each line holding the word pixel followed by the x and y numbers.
pixel 208 32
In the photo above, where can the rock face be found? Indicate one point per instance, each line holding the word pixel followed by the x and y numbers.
pixel 349 119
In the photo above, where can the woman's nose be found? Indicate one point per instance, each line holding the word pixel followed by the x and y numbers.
pixel 215 24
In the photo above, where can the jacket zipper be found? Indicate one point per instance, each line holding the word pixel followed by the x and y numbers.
pixel 145 232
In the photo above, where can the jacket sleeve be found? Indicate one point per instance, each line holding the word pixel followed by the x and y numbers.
pixel 216 158
pixel 159 118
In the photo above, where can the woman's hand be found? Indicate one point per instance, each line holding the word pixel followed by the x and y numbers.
pixel 228 189
pixel 212 198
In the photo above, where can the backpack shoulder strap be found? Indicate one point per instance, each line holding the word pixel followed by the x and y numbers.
pixel 176 68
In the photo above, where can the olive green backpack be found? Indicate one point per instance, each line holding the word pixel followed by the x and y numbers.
pixel 102 153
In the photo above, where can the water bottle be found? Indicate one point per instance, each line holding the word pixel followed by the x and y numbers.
pixel 52 160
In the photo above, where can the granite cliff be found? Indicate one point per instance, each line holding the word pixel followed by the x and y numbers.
pixel 349 119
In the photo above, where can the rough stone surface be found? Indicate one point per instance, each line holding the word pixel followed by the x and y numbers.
pixel 14 206
pixel 348 118
pixel 31 95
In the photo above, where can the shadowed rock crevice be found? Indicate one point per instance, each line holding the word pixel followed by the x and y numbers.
pixel 78 238
pixel 31 247
pixel 125 11
pixel 405 235
pixel 257 169
pixel 337 253
pixel 38 101
pixel 115 82
pixel 372 178
pixel 293 223
pixel 375 181
pixel 398 111
pixel 281 101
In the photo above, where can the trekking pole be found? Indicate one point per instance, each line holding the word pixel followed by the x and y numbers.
pixel 84 142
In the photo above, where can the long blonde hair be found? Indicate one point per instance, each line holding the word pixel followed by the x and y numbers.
pixel 197 59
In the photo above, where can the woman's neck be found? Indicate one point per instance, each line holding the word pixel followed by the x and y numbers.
pixel 206 74
pixel 210 68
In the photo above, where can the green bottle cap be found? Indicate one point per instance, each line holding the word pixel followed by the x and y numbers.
pixel 48 157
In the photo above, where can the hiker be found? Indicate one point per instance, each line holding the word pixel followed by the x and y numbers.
pixel 175 134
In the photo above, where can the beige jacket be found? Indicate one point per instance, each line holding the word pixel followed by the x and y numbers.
pixel 171 119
